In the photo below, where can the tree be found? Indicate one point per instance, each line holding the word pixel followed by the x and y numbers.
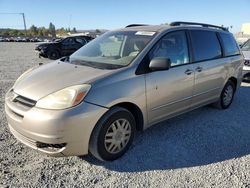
pixel 13 32
pixel 6 32
pixel 40 32
pixel 33 30
pixel 67 30
pixel 44 31
pixel 61 32
pixel 74 30
pixel 98 31
pixel 20 33
pixel 52 29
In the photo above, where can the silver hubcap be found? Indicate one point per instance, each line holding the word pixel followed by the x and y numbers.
pixel 117 136
pixel 228 95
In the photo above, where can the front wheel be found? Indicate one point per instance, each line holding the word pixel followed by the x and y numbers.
pixel 53 54
pixel 113 134
pixel 227 95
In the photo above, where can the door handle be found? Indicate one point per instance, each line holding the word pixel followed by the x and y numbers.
pixel 199 69
pixel 188 72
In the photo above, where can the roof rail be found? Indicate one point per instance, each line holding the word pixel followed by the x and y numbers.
pixel 136 25
pixel 200 24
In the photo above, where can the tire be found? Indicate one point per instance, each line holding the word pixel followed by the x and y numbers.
pixel 105 142
pixel 227 95
pixel 53 54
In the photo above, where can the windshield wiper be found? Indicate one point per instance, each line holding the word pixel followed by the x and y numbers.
pixel 96 65
pixel 85 63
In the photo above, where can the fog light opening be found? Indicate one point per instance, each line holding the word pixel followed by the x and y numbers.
pixel 50 146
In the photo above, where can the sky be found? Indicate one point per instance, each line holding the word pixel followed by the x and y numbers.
pixel 112 14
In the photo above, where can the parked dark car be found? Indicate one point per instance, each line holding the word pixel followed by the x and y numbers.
pixel 62 47
pixel 245 48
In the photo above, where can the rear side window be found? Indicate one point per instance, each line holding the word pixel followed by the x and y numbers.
pixel 68 41
pixel 205 45
pixel 229 44
pixel 81 41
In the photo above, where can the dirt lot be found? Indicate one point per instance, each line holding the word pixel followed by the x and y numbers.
pixel 204 148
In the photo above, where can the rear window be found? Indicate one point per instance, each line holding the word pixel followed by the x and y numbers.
pixel 229 44
pixel 206 45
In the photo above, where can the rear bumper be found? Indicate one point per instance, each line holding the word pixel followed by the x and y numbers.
pixel 54 132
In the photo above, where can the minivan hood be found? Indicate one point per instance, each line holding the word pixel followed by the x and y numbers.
pixel 246 54
pixel 55 76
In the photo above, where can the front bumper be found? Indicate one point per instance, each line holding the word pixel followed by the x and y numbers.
pixel 41 53
pixel 54 132
pixel 246 72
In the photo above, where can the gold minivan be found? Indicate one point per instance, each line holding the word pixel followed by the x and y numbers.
pixel 122 82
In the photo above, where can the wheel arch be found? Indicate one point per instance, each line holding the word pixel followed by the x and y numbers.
pixel 52 48
pixel 136 112
pixel 234 80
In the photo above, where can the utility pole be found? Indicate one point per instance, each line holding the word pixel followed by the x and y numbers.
pixel 70 16
pixel 24 23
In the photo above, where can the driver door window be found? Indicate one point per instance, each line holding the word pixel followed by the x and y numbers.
pixel 173 46
pixel 68 41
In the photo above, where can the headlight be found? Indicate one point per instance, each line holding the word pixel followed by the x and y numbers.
pixel 65 98
pixel 247 63
pixel 43 47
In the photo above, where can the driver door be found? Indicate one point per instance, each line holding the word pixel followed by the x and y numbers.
pixel 169 92
pixel 69 46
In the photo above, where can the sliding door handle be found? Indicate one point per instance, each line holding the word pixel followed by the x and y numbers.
pixel 199 69
pixel 188 71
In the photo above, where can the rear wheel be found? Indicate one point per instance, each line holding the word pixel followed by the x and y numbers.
pixel 227 95
pixel 113 134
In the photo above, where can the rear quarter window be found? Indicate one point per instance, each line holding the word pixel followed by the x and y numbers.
pixel 205 45
pixel 229 44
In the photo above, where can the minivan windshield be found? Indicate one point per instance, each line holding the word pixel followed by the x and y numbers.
pixel 246 46
pixel 112 49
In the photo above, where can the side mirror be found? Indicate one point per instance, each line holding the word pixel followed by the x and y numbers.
pixel 240 45
pixel 160 63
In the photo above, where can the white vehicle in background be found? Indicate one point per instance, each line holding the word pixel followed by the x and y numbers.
pixel 246 52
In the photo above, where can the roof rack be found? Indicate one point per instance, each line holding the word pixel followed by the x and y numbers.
pixel 136 25
pixel 200 24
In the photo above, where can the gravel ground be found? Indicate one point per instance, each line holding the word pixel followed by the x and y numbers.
pixel 204 148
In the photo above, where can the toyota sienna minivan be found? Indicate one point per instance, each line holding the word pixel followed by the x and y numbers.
pixel 121 82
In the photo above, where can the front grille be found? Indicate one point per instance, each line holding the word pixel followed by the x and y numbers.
pixel 247 62
pixel 18 105
pixel 24 101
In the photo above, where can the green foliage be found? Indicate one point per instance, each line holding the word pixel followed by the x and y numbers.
pixel 61 31
pixel 52 29
pixel 74 30
pixel 37 31
pixel 98 31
